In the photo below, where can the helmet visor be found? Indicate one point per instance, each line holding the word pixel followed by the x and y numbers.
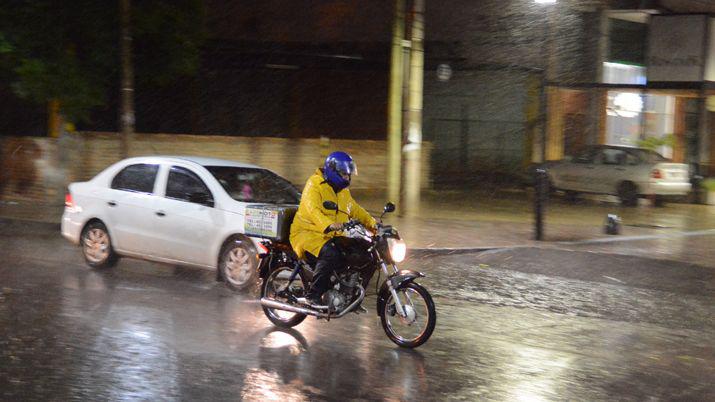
pixel 346 168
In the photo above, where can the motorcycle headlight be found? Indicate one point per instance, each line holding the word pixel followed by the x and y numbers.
pixel 398 249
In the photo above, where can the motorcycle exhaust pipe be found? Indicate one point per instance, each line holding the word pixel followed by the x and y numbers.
pixel 289 307
pixel 301 310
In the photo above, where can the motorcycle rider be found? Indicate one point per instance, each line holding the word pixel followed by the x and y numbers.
pixel 315 228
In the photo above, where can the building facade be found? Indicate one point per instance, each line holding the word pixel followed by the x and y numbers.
pixel 654 88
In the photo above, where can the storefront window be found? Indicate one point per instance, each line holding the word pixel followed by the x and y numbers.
pixel 635 119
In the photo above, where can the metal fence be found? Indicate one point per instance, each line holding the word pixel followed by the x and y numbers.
pixel 471 151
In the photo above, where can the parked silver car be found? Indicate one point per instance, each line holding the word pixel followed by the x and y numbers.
pixel 627 172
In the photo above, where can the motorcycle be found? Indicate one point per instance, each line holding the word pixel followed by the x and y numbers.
pixel 406 309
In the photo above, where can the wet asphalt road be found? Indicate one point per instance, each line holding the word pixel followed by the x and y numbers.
pixel 523 324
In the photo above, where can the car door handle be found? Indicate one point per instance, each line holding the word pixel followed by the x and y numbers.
pixel 161 213
pixel 112 203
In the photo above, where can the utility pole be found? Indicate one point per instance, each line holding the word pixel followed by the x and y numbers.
pixel 541 178
pixel 394 116
pixel 413 145
pixel 126 113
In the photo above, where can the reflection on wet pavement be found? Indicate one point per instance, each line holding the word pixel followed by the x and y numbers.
pixel 526 324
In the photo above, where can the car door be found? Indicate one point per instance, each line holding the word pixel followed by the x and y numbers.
pixel 186 218
pixel 611 170
pixel 130 205
pixel 578 175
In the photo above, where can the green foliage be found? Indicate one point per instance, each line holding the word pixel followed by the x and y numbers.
pixel 69 50
pixel 5 46
pixel 168 35
pixel 708 184
pixel 653 143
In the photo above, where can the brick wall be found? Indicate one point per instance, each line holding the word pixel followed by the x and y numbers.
pixel 39 168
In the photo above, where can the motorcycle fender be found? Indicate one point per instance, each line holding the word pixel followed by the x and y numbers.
pixel 270 261
pixel 401 278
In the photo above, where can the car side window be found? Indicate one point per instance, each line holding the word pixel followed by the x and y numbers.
pixel 632 160
pixel 585 156
pixel 613 157
pixel 139 178
pixel 185 185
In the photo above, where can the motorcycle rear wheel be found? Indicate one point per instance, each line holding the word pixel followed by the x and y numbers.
pixel 415 329
pixel 275 282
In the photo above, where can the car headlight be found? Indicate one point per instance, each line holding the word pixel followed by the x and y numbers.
pixel 398 249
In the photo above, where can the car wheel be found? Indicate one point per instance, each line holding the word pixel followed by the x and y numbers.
pixel 571 196
pixel 628 193
pixel 238 265
pixel 659 201
pixel 97 246
pixel 551 188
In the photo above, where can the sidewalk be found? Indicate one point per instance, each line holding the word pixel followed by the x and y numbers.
pixel 483 219
pixel 497 219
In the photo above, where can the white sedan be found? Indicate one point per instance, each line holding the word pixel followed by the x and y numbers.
pixel 201 212
pixel 627 172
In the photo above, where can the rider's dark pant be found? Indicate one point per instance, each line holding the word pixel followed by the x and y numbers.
pixel 330 259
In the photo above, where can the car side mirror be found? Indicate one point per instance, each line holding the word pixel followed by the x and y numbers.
pixel 201 198
pixel 389 207
pixel 329 205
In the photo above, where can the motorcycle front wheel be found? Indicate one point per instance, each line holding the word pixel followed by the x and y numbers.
pixel 275 287
pixel 415 326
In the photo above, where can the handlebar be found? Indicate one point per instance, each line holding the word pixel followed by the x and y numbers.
pixel 351 224
pixel 347 226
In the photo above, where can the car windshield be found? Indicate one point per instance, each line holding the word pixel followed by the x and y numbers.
pixel 255 185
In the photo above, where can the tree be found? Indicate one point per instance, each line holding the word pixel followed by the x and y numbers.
pixel 67 51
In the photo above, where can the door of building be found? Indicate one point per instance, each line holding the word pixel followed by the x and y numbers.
pixel 574 133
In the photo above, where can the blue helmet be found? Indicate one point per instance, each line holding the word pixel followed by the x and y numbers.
pixel 337 165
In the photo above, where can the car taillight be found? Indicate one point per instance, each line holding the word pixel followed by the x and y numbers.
pixel 69 203
pixel 656 174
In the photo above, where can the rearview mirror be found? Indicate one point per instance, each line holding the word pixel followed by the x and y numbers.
pixel 329 205
pixel 389 207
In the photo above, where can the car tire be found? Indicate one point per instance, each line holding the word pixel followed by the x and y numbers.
pixel 238 265
pixel 97 246
pixel 628 193
pixel 571 196
pixel 659 201
pixel 551 188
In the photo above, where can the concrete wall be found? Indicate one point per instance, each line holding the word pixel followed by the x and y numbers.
pixel 39 168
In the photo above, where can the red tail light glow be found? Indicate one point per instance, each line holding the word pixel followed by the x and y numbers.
pixel 656 174
pixel 69 203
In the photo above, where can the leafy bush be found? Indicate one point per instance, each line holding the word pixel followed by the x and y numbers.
pixel 708 184
pixel 653 143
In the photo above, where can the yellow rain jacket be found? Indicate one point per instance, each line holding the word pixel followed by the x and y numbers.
pixel 307 233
